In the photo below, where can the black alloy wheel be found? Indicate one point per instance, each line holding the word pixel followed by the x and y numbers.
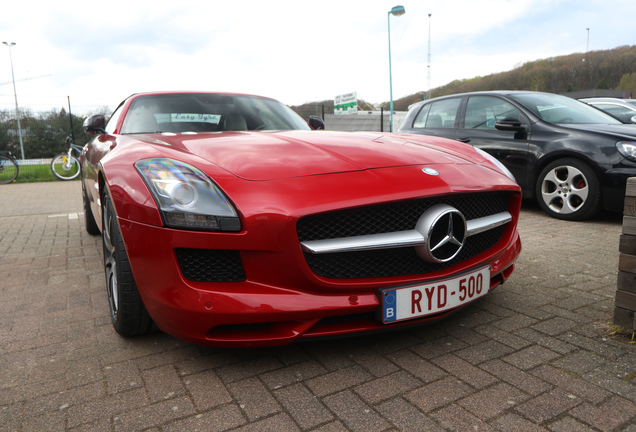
pixel 127 311
pixel 89 219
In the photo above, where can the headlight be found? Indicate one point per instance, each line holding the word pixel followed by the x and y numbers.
pixel 499 165
pixel 627 149
pixel 186 197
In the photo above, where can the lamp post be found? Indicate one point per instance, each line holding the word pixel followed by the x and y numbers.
pixel 429 58
pixel 397 11
pixel 15 95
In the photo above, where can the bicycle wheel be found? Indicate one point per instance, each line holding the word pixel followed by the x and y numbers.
pixel 65 168
pixel 8 169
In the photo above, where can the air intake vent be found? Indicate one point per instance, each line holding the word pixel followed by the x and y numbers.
pixel 211 265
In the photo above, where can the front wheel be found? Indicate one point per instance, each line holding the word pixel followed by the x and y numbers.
pixel 65 167
pixel 127 311
pixel 569 189
pixel 8 169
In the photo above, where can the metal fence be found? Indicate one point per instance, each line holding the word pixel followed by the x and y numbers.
pixel 40 131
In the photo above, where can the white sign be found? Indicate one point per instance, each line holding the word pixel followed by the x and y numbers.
pixel 346 104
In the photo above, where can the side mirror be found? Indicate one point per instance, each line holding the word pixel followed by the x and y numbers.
pixel 633 119
pixel 94 124
pixel 316 123
pixel 510 125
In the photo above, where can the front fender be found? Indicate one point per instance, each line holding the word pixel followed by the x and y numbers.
pixel 130 195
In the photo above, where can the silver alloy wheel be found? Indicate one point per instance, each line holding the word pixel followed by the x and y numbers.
pixel 564 189
pixel 110 261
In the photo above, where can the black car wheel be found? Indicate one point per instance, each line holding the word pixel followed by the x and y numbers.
pixel 89 218
pixel 569 189
pixel 127 311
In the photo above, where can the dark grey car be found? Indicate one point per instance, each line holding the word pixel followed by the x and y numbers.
pixel 574 159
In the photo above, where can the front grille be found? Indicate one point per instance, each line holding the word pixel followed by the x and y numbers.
pixel 210 265
pixel 400 216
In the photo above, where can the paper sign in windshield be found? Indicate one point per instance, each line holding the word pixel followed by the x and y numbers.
pixel 188 118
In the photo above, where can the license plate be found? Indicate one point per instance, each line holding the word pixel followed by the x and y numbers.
pixel 399 304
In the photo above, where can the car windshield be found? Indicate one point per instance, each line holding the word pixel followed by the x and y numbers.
pixel 562 109
pixel 208 112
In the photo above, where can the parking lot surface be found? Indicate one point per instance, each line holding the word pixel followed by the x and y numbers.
pixel 537 354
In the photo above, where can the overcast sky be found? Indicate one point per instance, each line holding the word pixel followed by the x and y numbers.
pixel 295 51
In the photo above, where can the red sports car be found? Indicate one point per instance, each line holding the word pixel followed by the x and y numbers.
pixel 226 220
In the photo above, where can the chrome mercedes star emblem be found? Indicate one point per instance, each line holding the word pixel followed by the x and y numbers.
pixel 444 229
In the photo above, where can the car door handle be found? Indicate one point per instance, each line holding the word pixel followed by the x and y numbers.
pixel 464 140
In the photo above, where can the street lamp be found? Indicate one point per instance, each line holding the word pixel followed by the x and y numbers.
pixel 15 95
pixel 429 57
pixel 397 11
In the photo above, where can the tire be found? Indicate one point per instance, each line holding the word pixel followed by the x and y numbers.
pixel 127 311
pixel 64 168
pixel 8 169
pixel 569 189
pixel 89 218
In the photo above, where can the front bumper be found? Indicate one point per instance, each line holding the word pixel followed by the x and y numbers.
pixel 278 301
pixel 614 184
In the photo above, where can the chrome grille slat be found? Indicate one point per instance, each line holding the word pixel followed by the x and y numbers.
pixel 396 239
pixel 487 215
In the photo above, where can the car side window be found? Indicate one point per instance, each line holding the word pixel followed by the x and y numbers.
pixel 441 114
pixel 483 111
pixel 112 122
pixel 420 120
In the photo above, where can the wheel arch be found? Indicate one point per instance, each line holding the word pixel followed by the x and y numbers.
pixel 550 157
pixel 100 200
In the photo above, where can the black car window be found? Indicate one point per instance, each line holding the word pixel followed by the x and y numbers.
pixel 561 109
pixel 420 120
pixel 441 114
pixel 483 111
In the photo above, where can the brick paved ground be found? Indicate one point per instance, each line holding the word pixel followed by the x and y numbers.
pixel 535 355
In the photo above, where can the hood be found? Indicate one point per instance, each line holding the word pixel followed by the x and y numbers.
pixel 619 130
pixel 261 156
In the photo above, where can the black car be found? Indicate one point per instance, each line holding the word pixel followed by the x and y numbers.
pixel 573 158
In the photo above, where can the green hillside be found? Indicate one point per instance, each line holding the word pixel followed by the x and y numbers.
pixel 613 69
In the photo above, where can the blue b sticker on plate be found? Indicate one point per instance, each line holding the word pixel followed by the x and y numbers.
pixel 389 306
